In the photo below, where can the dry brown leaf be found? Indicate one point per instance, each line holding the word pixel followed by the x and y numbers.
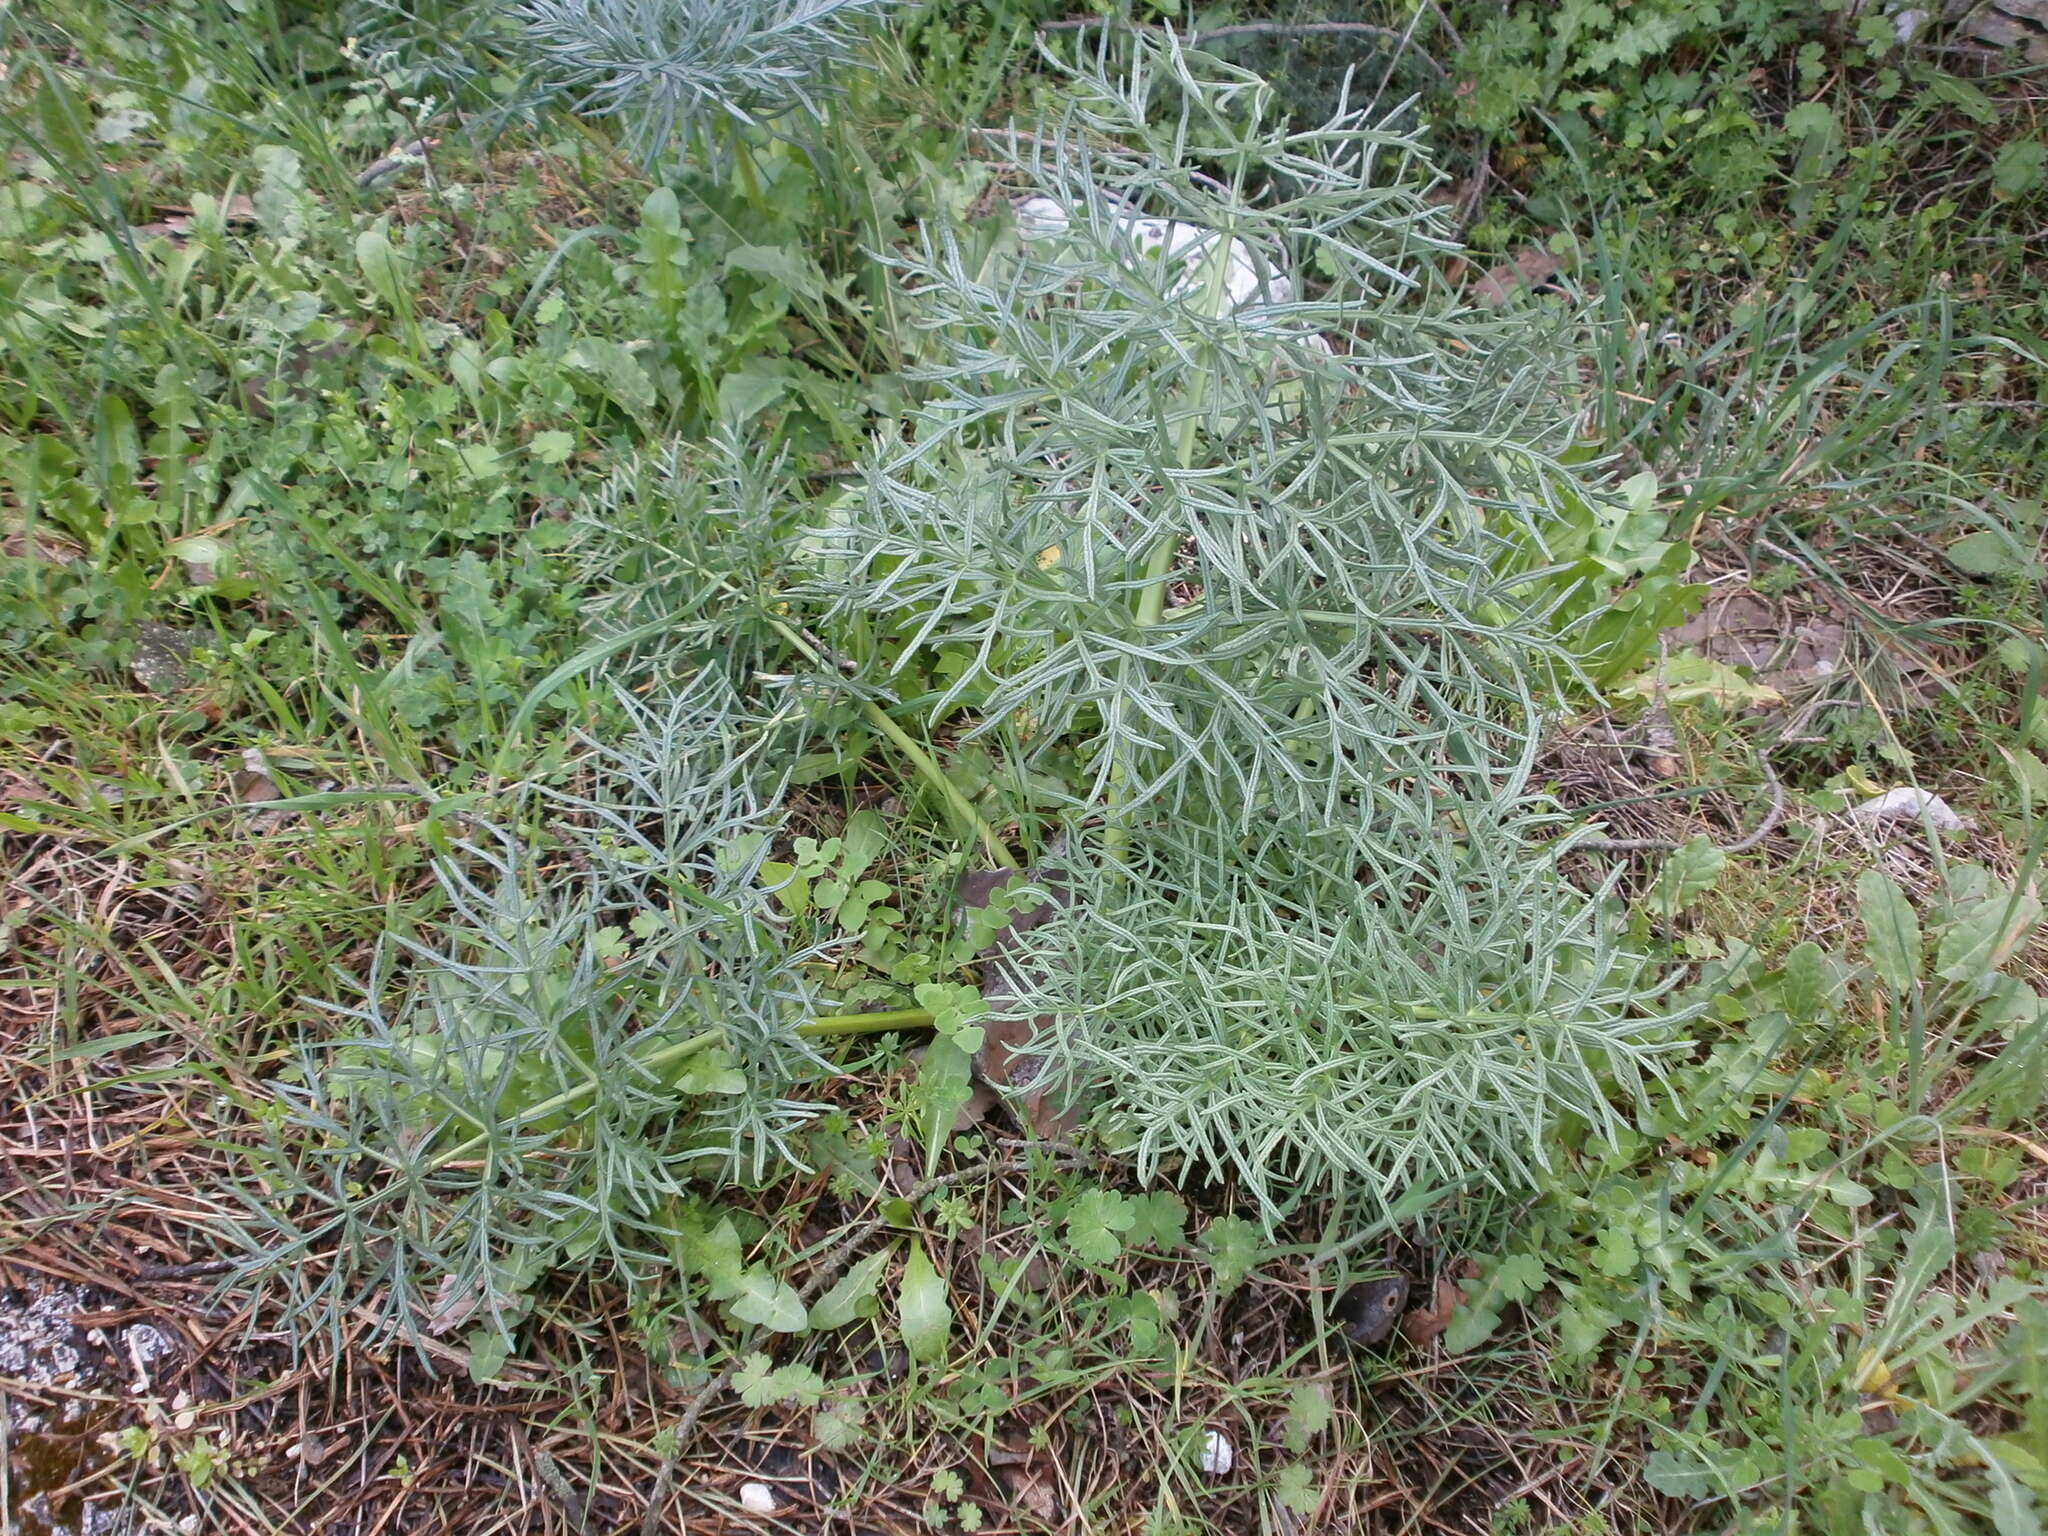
pixel 16 544
pixel 980 1100
pixel 455 1302
pixel 1532 268
pixel 1003 1060
pixel 1424 1324
pixel 253 787
pixel 1740 629
pixel 1033 1488
pixel 176 223
pixel 902 1171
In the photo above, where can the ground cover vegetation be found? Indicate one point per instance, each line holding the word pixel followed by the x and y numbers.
pixel 833 765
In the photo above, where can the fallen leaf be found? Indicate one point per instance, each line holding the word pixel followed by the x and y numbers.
pixel 252 786
pixel 1003 1060
pixel 1739 629
pixel 1423 1325
pixel 1533 268
pixel 455 1302
pixel 177 222
pixel 202 555
pixel 47 547
pixel 900 1169
pixel 981 1098
pixel 1032 1488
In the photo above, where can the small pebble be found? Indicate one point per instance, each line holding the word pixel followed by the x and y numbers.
pixel 757 1498
pixel 1217 1456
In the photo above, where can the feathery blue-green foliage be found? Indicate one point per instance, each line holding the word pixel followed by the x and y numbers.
pixel 1407 998
pixel 1242 547
pixel 672 73
pixel 1207 534
pixel 576 1054
pixel 670 67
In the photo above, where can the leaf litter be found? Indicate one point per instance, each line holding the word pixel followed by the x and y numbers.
pixel 1005 1061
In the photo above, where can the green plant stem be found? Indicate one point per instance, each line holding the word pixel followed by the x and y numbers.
pixel 1151 605
pixel 922 761
pixel 823 1026
pixel 1159 559
pixel 1158 567
pixel 865 1023
pixel 750 175
pixel 972 820
pixel 661 1058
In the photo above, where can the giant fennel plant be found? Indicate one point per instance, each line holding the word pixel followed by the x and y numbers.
pixel 1210 534
pixel 585 1046
pixel 1216 501
pixel 1237 533
pixel 674 75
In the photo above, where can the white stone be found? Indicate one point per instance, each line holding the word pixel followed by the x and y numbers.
pixel 757 1498
pixel 1909 805
pixel 1217 1455
pixel 1040 218
pixel 1247 276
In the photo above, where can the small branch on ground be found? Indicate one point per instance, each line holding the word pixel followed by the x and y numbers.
pixel 181 1271
pixel 1773 815
pixel 1400 41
